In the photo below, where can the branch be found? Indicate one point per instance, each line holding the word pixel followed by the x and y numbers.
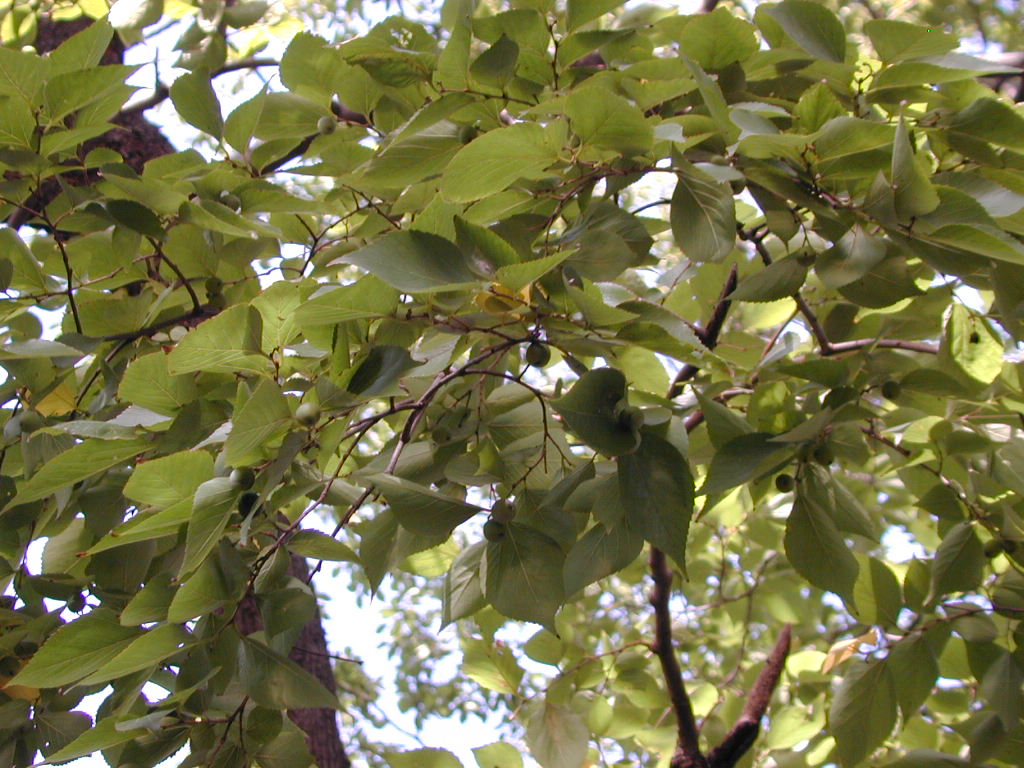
pixel 708 335
pixel 687 754
pixel 744 732
pixel 826 347
pixel 161 92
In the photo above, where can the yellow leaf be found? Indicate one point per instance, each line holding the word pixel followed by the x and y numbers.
pixel 59 401
pixel 845 649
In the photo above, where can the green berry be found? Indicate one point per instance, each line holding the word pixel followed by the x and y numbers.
pixel 307 414
pixel 784 483
pixel 891 390
pixel 234 202
pixel 242 478
pixel 494 530
pixel 326 125
pixel 213 286
pixel 538 354
pixel 823 455
pixel 467 133
pixel 503 511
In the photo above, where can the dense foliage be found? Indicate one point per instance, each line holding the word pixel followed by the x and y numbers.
pixel 535 316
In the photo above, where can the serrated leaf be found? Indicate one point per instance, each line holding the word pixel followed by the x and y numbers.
pixel 588 410
pixel 213 504
pixel 495 160
pixel 263 417
pixel 657 483
pixel 170 479
pixel 778 280
pixel 703 217
pixel 196 102
pixel 598 553
pixel 148 383
pixel 227 343
pixel 420 509
pixel 816 549
pixel 811 26
pixel 863 712
pixel 523 575
pixel 276 682
pixel 414 262
pixel 912 188
pixel 75 464
pixel 76 650
pixel 320 546
pixel 959 562
pixel 143 652
pixel 557 737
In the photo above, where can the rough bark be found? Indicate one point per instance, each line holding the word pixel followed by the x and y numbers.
pixel 310 653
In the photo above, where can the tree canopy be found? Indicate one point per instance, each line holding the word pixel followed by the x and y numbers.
pixel 662 370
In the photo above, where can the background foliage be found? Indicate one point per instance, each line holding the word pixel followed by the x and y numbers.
pixel 531 301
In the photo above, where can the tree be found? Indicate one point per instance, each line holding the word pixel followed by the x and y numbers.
pixel 687 342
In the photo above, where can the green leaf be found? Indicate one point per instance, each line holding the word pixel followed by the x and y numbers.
pixel 58 729
pixel 579 12
pixel 1001 686
pixel 522 575
pixel 378 374
pixel 422 758
pixel 589 411
pixel 148 383
pixel 742 459
pixel 496 66
pixel 657 483
pixel 914 192
pixel 76 464
pixel 557 737
pixel 215 501
pixel 414 262
pixel 463 593
pixel 898 40
pixel 498 754
pixel 863 712
pixel 227 343
pixel 816 549
pixel 143 652
pixel 83 50
pixel 320 546
pixel 263 417
pixel 170 479
pixel 276 682
pixel 490 665
pixel 136 217
pixel 494 161
pixel 22 74
pixel 605 120
pixel 959 562
pixel 971 347
pixel 990 120
pixel 598 553
pixel 76 650
pixel 196 102
pixel 421 509
pixel 811 26
pixel 130 15
pixel 703 217
pixel 851 258
pixel 366 298
pixel 778 280
pixel 914 671
pixel 241 124
pixel 817 105
pixel 876 593
pixel 150 603
pixel 104 735
pixel 717 39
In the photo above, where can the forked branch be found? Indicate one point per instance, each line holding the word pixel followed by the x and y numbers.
pixel 741 737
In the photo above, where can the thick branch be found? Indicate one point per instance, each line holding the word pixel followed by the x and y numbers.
pixel 687 754
pixel 743 734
